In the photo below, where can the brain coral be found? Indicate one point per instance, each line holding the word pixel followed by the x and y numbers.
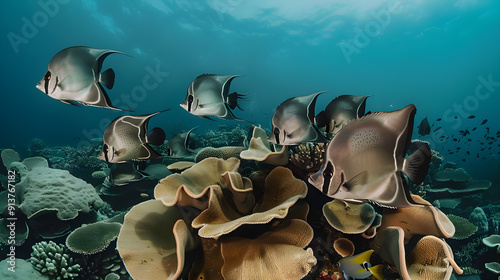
pixel 45 188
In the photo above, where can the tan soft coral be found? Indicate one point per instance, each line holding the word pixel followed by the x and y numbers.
pixel 282 190
pixel 189 187
pixel 276 254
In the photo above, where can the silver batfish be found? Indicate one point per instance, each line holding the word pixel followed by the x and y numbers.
pixel 340 111
pixel 74 75
pixel 293 121
pixel 208 95
pixel 365 160
pixel 177 146
pixel 125 139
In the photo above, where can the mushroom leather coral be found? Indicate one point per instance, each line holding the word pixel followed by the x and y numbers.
pixel 282 190
pixel 351 218
pixel 423 220
pixel 186 188
pixel 276 254
pixel 431 259
pixel 153 241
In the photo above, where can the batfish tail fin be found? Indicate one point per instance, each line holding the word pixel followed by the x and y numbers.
pixel 156 136
pixel 416 165
pixel 107 78
pixel 232 100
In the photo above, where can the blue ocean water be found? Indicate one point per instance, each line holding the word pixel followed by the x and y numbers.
pixel 442 56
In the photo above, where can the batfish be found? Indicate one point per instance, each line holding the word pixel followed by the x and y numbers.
pixel 125 139
pixel 293 121
pixel 73 75
pixel 365 160
pixel 177 146
pixel 424 128
pixel 340 111
pixel 208 95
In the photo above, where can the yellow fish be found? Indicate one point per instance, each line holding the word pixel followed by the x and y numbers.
pixel 359 267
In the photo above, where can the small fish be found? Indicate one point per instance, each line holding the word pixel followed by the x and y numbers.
pixel 125 139
pixel 208 95
pixel 474 128
pixel 293 121
pixel 437 129
pixel 438 120
pixel 468 153
pixel 485 121
pixel 424 128
pixel 340 111
pixel 366 160
pixel 359 267
pixel 471 117
pixel 74 76
pixel 177 146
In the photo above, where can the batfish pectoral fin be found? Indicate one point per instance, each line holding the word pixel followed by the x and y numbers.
pixel 107 78
pixel 359 179
pixel 377 271
pixel 120 152
pixel 416 165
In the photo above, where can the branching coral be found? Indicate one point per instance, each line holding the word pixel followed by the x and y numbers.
pixel 53 260
pixel 308 156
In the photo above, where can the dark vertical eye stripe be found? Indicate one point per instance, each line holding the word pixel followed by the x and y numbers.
pixel 190 102
pixel 47 78
pixel 105 151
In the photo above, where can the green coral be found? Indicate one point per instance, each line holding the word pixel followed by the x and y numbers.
pixel 93 238
pixel 221 152
pixel 53 260
pixel 463 228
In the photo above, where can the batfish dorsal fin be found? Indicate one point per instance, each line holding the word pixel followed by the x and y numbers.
pixel 156 136
pixel 205 75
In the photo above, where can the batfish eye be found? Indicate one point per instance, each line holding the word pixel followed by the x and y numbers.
pixel 48 75
pixel 190 98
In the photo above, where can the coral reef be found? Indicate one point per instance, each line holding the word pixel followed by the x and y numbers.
pixel 45 189
pixel 53 260
pixel 222 137
pixel 221 152
pixel 155 237
pixel 308 156
pixel 463 228
pixel 102 265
